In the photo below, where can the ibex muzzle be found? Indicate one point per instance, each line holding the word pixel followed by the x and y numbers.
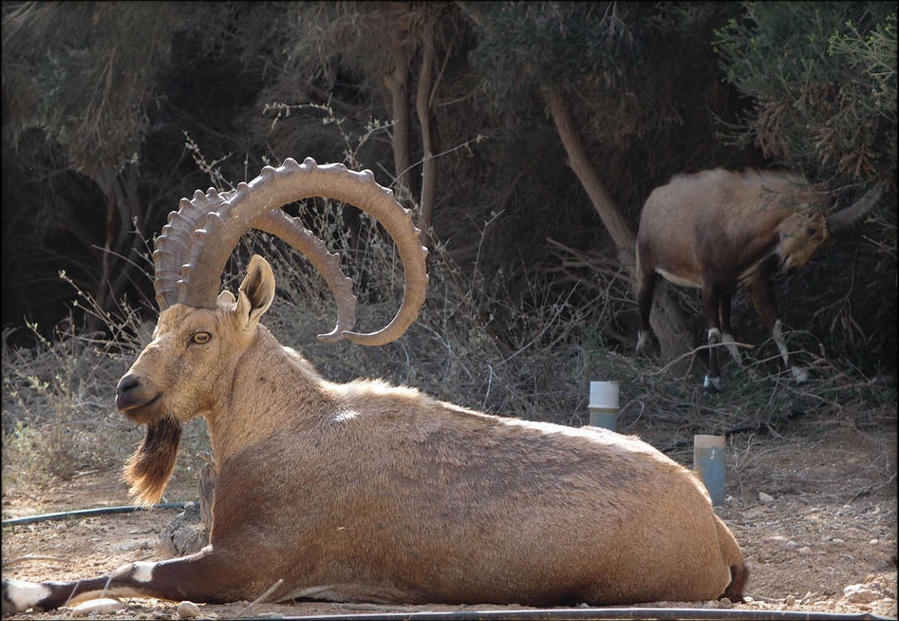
pixel 370 492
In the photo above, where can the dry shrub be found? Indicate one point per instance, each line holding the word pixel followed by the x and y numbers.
pixel 59 416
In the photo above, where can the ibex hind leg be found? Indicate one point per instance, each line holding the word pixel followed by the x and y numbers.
pixel 201 577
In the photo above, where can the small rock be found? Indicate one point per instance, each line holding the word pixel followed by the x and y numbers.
pixel 765 498
pixel 837 540
pixel 160 614
pixel 102 606
pixel 188 610
pixel 790 601
pixel 725 602
pixel 128 546
pixel 792 544
pixel 583 605
pixel 748 599
pixel 861 593
pixel 804 550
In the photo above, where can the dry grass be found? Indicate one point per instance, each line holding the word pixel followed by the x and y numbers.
pixel 529 353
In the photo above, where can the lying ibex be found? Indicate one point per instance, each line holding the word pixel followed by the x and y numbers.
pixel 369 492
pixel 717 228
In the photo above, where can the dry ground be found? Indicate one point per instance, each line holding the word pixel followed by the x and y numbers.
pixel 830 522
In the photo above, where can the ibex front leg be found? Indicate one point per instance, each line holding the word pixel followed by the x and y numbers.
pixel 202 577
pixel 763 298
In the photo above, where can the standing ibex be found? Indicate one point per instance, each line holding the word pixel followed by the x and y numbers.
pixel 717 228
pixel 365 491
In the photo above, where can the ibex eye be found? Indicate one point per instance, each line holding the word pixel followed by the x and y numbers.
pixel 201 338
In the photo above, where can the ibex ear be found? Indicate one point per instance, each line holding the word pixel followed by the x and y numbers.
pixel 256 291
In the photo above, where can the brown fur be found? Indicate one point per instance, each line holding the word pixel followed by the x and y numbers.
pixel 149 468
pixel 717 223
pixel 370 492
pixel 715 229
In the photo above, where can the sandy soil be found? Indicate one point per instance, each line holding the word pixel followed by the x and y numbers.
pixel 828 522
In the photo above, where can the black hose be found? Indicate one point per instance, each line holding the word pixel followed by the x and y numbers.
pixel 88 512
pixel 559 614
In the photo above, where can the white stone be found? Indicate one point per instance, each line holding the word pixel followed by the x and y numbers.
pixel 102 606
pixel 861 593
pixel 766 498
pixel 188 610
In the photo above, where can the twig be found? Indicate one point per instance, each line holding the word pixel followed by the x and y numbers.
pixel 267 592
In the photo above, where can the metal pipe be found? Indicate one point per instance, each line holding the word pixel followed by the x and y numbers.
pixel 88 512
pixel 591 614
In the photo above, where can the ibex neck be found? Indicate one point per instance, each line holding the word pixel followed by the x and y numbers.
pixel 273 388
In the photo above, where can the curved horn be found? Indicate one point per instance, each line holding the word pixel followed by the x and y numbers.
pixel 845 218
pixel 274 187
pixel 173 248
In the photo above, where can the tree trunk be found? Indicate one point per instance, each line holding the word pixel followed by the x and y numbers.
pixel 423 107
pixel 130 235
pixel 666 318
pixel 106 179
pixel 397 82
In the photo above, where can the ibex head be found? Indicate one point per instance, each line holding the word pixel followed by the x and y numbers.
pixel 806 231
pixel 202 333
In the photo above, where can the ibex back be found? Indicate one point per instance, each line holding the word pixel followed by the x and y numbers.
pixel 369 492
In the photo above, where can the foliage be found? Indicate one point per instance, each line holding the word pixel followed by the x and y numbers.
pixel 823 77
pixel 83 71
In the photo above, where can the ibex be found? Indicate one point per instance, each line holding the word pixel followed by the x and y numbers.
pixel 370 492
pixel 717 228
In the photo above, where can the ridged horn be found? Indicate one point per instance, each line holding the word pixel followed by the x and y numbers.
pixel 845 218
pixel 173 249
pixel 244 207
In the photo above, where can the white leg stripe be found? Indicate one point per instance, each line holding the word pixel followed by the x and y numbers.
pixel 24 595
pixel 642 339
pixel 779 340
pixel 143 571
pixel 712 382
pixel 728 341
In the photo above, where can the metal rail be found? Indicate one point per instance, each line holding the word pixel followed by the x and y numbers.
pixel 592 614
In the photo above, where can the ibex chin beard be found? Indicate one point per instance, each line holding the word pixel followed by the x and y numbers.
pixel 149 468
